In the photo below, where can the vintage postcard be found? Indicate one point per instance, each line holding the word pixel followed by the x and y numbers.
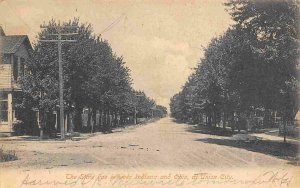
pixel 149 93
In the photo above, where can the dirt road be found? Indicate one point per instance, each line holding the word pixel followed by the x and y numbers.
pixel 162 144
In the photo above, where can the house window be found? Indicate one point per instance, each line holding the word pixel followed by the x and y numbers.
pixel 22 67
pixel 17 96
pixel 15 68
pixel 6 59
pixel 3 106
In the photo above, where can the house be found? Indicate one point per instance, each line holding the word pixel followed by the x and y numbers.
pixel 14 51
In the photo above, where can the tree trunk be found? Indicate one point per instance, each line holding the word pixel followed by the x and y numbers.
pixel 71 122
pixel 89 125
pixel 232 124
pixel 38 117
pixel 96 120
pixel 101 118
pixel 215 118
pixel 94 116
pixel 106 119
pixel 284 131
pixel 209 120
pixel 77 118
pixel 224 119
pixel 42 123
pixel 109 120
pixel 92 123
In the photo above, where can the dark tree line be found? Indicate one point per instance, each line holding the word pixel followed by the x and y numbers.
pixel 97 84
pixel 249 71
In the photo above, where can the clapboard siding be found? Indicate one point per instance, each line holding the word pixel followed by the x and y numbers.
pixel 5 76
pixel 4 127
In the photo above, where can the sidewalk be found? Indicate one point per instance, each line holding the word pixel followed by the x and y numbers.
pixel 74 136
pixel 81 136
pixel 266 136
pixel 249 137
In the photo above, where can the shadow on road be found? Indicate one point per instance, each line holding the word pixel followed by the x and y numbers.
pixel 209 130
pixel 286 151
pixel 177 121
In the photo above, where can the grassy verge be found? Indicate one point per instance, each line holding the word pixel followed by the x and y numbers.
pixel 7 155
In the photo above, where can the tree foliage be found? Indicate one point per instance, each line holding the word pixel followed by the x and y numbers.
pixel 253 65
pixel 95 78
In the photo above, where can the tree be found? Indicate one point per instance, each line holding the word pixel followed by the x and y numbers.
pixel 251 66
pixel 276 28
pixel 95 78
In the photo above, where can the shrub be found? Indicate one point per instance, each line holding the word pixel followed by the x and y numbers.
pixel 7 156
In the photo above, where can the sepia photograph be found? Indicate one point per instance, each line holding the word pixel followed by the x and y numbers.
pixel 149 93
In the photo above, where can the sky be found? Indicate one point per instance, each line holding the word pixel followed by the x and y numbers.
pixel 161 41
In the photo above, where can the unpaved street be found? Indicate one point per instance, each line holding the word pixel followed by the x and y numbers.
pixel 162 144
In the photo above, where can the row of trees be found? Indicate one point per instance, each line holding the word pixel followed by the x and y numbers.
pixel 95 79
pixel 252 66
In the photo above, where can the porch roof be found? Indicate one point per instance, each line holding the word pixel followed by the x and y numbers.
pixel 10 44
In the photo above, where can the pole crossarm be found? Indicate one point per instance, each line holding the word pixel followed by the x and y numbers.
pixel 57 40
pixel 63 34
pixel 58 26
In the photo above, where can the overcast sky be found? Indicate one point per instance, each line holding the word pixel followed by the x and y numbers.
pixel 160 40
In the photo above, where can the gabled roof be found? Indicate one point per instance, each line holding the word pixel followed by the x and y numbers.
pixel 10 44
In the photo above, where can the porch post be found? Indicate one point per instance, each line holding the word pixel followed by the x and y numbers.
pixel 19 67
pixel 10 111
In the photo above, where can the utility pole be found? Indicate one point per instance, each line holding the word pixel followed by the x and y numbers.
pixel 135 120
pixel 135 111
pixel 59 33
pixel 152 110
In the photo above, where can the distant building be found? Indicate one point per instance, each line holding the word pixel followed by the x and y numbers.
pixel 14 51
